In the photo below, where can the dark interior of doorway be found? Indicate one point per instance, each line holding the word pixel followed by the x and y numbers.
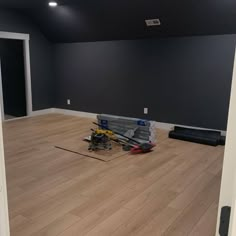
pixel 13 78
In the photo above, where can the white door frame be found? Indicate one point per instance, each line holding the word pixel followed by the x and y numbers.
pixel 25 38
pixel 4 217
pixel 228 181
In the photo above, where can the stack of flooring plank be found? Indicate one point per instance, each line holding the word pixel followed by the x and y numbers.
pixel 144 130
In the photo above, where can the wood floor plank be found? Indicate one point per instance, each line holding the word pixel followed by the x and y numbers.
pixel 140 218
pixel 58 226
pixel 191 215
pixel 109 226
pixel 51 215
pixel 101 214
pixel 207 223
pixel 188 195
pixel 159 223
pixel 18 222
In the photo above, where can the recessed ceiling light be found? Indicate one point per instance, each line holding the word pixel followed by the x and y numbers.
pixel 52 4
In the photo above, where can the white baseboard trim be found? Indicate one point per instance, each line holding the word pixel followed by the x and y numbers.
pixel 42 112
pixel 17 118
pixel 159 125
pixel 32 114
pixel 75 113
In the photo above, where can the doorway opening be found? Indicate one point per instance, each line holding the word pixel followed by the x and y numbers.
pixel 13 78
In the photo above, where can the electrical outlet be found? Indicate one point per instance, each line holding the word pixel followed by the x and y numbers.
pixel 68 101
pixel 145 110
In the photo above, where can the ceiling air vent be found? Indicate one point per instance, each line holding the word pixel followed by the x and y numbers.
pixel 153 22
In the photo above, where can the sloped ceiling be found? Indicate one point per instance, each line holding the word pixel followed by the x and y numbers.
pixel 90 20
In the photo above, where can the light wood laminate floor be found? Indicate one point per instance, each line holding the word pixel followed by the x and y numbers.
pixel 173 190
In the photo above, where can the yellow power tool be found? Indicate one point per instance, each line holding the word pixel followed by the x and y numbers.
pixel 108 133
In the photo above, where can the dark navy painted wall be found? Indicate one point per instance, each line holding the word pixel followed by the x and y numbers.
pixel 181 80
